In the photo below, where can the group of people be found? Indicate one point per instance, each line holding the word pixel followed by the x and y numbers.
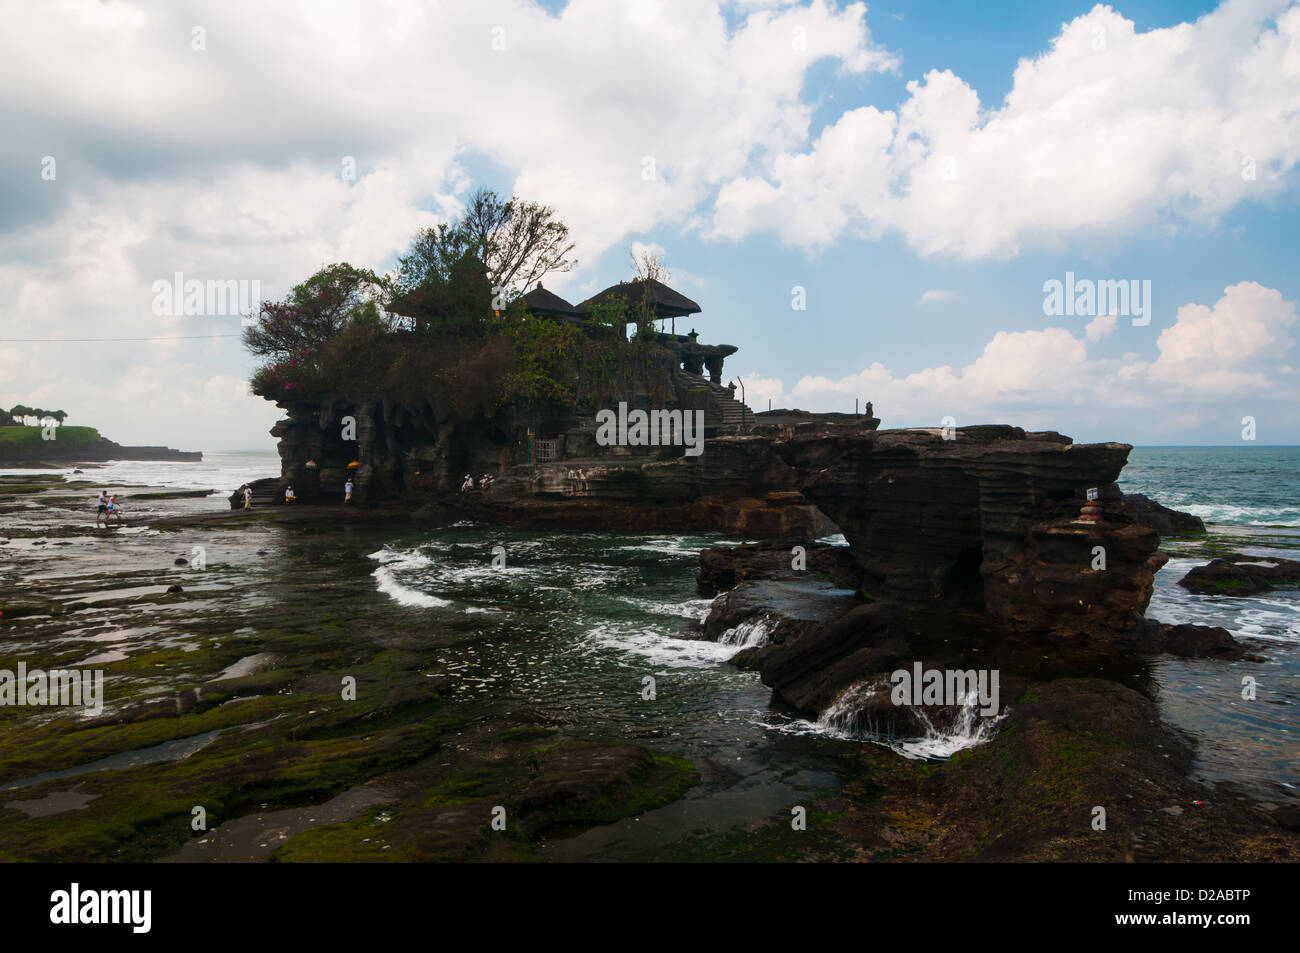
pixel 289 495
pixel 484 482
pixel 107 507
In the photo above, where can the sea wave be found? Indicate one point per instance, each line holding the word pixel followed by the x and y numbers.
pixel 659 648
pixel 1239 515
pixel 690 609
pixel 387 583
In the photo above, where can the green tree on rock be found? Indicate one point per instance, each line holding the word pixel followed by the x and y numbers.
pixel 336 297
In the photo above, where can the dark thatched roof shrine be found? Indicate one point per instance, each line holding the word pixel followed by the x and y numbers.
pixel 663 301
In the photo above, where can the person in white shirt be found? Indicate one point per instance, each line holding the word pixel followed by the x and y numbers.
pixel 288 494
pixel 347 492
pixel 101 508
pixel 248 497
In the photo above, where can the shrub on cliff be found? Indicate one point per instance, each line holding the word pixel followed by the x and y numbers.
pixel 318 309
pixel 511 357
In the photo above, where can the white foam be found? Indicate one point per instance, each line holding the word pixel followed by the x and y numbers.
pixel 835 539
pixel 690 609
pixel 669 546
pixel 842 720
pixel 971 729
pixel 748 634
pixel 661 649
pixel 1245 515
pixel 386 582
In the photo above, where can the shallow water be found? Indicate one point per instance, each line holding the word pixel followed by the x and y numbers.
pixel 572 624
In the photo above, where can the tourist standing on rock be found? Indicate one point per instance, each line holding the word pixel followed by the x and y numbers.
pixel 288 494
pixel 101 507
pixel 113 510
pixel 467 484
pixel 347 492
pixel 248 497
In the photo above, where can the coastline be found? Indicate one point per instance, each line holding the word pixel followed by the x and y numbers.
pixel 296 611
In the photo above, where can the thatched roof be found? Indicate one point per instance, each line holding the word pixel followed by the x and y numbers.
pixel 541 301
pixel 665 302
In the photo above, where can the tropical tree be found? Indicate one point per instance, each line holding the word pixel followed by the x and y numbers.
pixel 517 242
pixel 316 310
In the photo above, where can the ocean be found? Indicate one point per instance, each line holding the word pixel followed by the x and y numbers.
pixel 1249 498
pixel 1241 486
pixel 223 472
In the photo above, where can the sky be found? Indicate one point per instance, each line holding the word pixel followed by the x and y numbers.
pixel 871 202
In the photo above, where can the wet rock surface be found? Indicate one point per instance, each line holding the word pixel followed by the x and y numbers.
pixel 1165 521
pixel 989 518
pixel 1238 575
pixel 722 567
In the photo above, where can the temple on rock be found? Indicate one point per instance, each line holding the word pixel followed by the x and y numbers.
pixel 723 413
pixel 444 427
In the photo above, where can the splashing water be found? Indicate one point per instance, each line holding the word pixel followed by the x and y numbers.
pixel 971 728
pixel 852 717
pixel 749 634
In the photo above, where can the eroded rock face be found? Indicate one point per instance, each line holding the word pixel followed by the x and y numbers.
pixel 988 519
pixel 399 450
pixel 738 484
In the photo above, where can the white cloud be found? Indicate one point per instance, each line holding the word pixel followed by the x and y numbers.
pixel 1237 346
pixel 1228 347
pixel 1100 328
pixel 227 162
pixel 933 295
pixel 1108 130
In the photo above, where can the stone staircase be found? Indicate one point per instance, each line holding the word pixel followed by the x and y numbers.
pixel 725 414
pixel 266 492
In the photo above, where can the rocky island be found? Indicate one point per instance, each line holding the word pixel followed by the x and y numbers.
pixel 967 548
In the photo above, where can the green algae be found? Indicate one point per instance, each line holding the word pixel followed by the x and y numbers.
pixel 452 820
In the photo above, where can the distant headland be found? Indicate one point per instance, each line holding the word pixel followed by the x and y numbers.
pixel 32 437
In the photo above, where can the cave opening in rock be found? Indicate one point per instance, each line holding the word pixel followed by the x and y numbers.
pixel 964 579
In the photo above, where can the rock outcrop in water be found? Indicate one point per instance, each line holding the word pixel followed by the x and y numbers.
pixel 964 553
pixel 989 520
pixel 1242 576
pixel 1161 518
